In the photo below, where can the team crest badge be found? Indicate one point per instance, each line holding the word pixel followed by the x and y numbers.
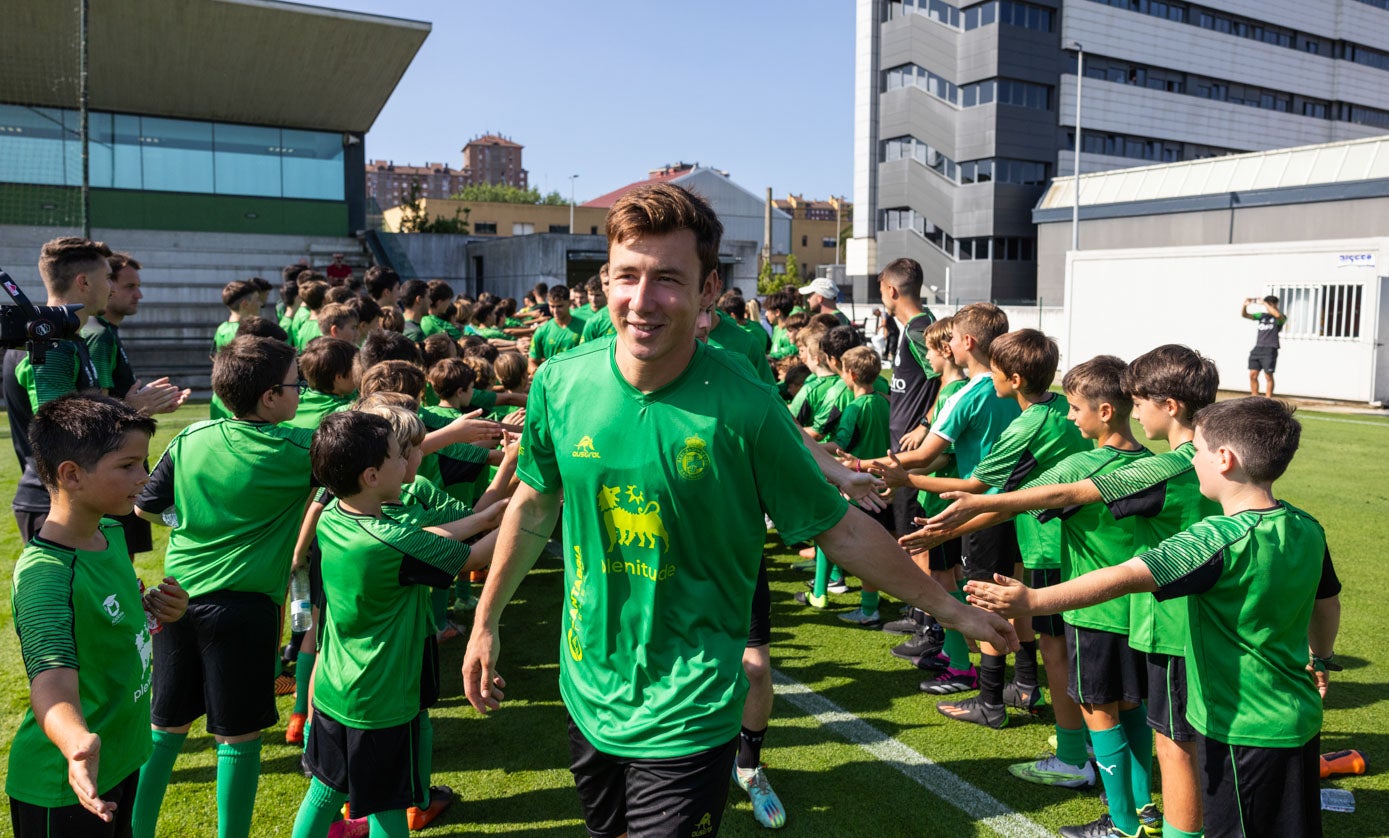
pixel 693 459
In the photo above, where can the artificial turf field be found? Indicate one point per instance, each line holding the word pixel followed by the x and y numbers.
pixel 509 771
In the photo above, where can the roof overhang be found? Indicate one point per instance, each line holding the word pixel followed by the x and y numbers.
pixel 260 62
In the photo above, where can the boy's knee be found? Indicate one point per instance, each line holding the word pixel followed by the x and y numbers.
pixel 757 665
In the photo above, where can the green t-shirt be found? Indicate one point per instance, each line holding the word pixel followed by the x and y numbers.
pixel 1038 439
pixel 600 325
pixel 305 332
pixel 727 335
pixel 1163 496
pixel 1249 581
pixel 491 333
pixel 760 336
pixel 930 502
pixel 301 314
pixel 239 489
pixel 862 428
pixel 782 346
pixel 104 347
pixel 432 325
pixel 665 494
pixel 377 619
pixel 225 334
pixel 313 406
pixel 973 419
pixel 413 331
pixel 581 313
pixel 68 368
pixel 807 400
pixel 551 339
pixel 1091 537
pixel 75 609
pixel 455 468
pixel 423 504
pixel 836 398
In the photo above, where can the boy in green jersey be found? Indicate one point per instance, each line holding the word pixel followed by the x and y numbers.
pixel 1168 385
pixel 329 367
pixel 778 307
pixel 335 320
pixel 82 626
pixel 600 325
pixel 835 343
pixel 414 304
pixel 312 294
pixel 439 319
pixel 242 300
pixel 559 334
pixel 1262 603
pixel 806 402
pixel 649 438
pixel 232 554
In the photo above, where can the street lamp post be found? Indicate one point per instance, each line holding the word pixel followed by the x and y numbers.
pixel 572 178
pixel 1075 168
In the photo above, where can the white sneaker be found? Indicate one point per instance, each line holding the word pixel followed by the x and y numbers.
pixel 766 806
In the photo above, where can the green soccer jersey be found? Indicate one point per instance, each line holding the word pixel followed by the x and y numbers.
pixel 432 325
pixel 423 504
pixel 1038 439
pixel 1091 537
pixel 727 335
pixel 581 314
pixel 482 399
pixel 665 494
pixel 807 400
pixel 313 406
pixel 1163 496
pixel 1249 581
pixel 930 502
pixel 413 331
pixel 862 429
pixel 600 325
pixel 760 337
pixel 551 339
pixel 225 334
pixel 782 346
pixel 491 333
pixel 68 368
pixel 305 332
pixel 455 468
pixel 973 420
pixel 101 348
pixel 377 620
pixel 78 609
pixel 239 489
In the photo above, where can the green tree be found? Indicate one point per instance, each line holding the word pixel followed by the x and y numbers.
pixel 554 199
pixel 792 277
pixel 414 218
pixel 767 282
pixel 497 193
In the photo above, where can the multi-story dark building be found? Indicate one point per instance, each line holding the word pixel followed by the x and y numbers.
pixel 963 113
pixel 492 158
pixel 486 159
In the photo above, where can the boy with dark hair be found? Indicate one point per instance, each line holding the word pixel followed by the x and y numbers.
pixel 288 306
pixel 600 324
pixel 383 284
pixel 329 367
pixel 1261 597
pixel 438 321
pixel 261 327
pixel 561 333
pixel 234 560
pixel 242 300
pixel 83 630
pixel 313 294
pixel 414 303
pixel 778 306
pixel 387 346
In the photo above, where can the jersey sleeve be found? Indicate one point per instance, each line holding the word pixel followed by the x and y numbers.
pixel 438 506
pixel 461 463
pixel 1140 488
pixel 426 558
pixel 158 494
pixel 43 615
pixel 790 486
pixel 483 399
pixel 1073 469
pixel 537 465
pixel 951 421
pixel 56 376
pixel 1010 462
pixel 536 338
pixel 1189 562
pixel 1330 584
pixel 101 347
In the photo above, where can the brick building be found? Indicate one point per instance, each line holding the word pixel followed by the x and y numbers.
pixel 490 158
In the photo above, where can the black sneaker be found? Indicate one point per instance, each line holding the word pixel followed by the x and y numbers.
pixel 924 643
pixel 975 711
pixel 1026 699
pixel 1102 827
pixel 912 621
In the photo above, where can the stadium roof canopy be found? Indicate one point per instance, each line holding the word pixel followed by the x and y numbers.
pixel 259 62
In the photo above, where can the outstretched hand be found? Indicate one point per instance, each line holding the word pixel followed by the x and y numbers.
pixel 82 776
pixel 922 539
pixel 890 471
pixel 964 506
pixel 1005 596
pixel 472 430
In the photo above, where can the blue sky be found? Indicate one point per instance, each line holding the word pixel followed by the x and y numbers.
pixel 609 89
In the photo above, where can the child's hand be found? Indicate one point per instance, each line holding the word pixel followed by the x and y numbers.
pixel 472 430
pixel 913 438
pixel 167 601
pixel 921 540
pixel 516 418
pixel 1006 596
pixel 965 506
pixel 82 774
pixel 891 472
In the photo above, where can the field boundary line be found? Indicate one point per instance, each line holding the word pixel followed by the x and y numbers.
pixel 1369 422
pixel 926 772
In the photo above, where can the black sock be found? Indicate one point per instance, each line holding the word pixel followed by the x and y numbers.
pixel 991 679
pixel 1025 664
pixel 750 748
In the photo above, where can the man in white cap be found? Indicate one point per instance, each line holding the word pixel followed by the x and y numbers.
pixel 821 297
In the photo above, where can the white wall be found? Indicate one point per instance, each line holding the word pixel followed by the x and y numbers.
pixel 1126 302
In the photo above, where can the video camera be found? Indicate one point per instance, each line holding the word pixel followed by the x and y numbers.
pixel 36 328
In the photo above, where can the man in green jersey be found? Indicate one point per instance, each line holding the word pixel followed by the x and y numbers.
pixel 669 455
pixel 233 556
pixel 600 324
pixel 559 334
pixel 1261 598
pixel 83 630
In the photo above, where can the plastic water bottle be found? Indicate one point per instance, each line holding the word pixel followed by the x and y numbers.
pixel 300 611
pixel 170 517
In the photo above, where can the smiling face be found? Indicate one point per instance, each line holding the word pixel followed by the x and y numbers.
pixel 657 290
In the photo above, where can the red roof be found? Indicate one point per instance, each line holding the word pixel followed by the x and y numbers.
pixel 661 176
pixel 493 139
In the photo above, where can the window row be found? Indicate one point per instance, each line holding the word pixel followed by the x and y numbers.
pixel 1022 94
pixel 900 148
pixel 1143 148
pixel 1011 12
pixel 43 146
pixel 912 75
pixel 995 248
pixel 1002 169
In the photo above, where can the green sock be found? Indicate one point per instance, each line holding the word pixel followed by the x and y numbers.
pixel 238 774
pixel 1169 831
pixel 390 824
pixel 425 757
pixel 1070 746
pixel 1140 738
pixel 320 808
pixel 836 573
pixel 154 781
pixel 822 573
pixel 1113 763
pixel 303 670
pixel 308 725
pixel 955 644
pixel 440 602
pixel 868 601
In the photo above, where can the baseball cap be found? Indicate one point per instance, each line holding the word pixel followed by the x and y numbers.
pixel 822 286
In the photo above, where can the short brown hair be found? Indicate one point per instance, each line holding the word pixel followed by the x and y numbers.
pixel 245 368
pixel 236 291
pixel 937 335
pixel 1100 380
pixel 1027 353
pixel 438 291
pixel 262 326
pixel 386 397
pixel 436 348
pixel 799 320
pixel 862 364
pixel 1175 372
pixel 312 292
pixel 325 359
pixel 511 369
pixel 482 368
pixel 338 294
pixel 406 426
pixel 905 275
pixel 63 259
pixel 1262 432
pixel 336 314
pixel 392 377
pixel 83 429
pixel 982 321
pixel 662 208
pixel 450 377
pixel 121 261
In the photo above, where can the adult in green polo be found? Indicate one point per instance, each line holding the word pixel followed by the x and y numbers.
pixel 668 454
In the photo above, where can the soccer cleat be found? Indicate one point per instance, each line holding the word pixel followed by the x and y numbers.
pixel 925 642
pixel 837 586
pixel 294 732
pixel 1150 821
pixel 285 684
pixel 1026 699
pixel 440 798
pixel 449 632
pixel 812 600
pixel 858 618
pixel 952 681
pixel 766 806
pixel 1050 771
pixel 354 828
pixel 932 663
pixel 912 621
pixel 1102 827
pixel 975 711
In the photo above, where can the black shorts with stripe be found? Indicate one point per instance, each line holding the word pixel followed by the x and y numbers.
pixel 1103 668
pixel 1051 625
pixel 379 770
pixel 1264 792
pixel 1167 697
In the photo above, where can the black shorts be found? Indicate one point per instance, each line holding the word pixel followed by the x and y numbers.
pixel 990 551
pixel 379 770
pixel 139 537
pixel 1263 358
pixel 760 629
pixel 31 821
pixel 903 509
pixel 220 660
pixel 1264 792
pixel 945 556
pixel 1050 625
pixel 1167 697
pixel 650 798
pixel 29 523
pixel 1103 668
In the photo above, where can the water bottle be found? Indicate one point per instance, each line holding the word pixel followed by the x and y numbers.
pixel 170 517
pixel 300 612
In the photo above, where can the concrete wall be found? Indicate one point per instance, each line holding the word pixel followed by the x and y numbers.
pixel 439 256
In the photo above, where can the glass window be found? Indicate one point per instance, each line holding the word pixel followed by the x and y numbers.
pixel 988 14
pixel 246 160
pixel 312 165
pixel 31 145
pixel 176 155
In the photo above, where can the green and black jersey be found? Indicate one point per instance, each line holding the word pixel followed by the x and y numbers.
pixel 225 334
pixel 1249 582
pixel 727 335
pixel 806 403
pixel 1038 439
pixel 108 356
pixel 862 429
pixel 664 498
pixel 913 380
pixel 314 405
pixel 1091 537
pixel 412 330
pixel 239 489
pixel 551 338
pixel 1162 495
pixel 973 419
pixel 836 398
pixel 457 468
pixel 378 666
pixel 81 610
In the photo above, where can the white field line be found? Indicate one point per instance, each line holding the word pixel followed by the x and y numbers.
pixel 1370 422
pixel 930 776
